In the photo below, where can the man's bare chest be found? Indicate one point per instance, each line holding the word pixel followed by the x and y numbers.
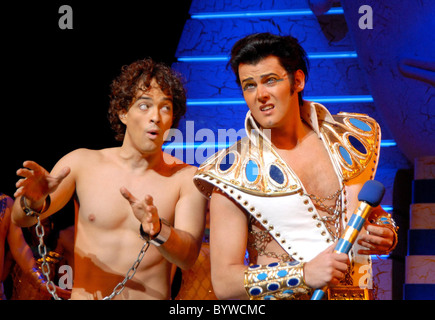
pixel 313 166
pixel 102 204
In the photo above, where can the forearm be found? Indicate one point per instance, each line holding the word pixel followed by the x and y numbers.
pixel 228 281
pixel 181 249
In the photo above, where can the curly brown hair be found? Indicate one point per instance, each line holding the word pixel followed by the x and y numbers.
pixel 142 72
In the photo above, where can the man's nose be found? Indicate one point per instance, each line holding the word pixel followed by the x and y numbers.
pixel 155 115
pixel 262 93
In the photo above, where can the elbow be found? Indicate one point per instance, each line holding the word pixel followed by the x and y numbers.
pixel 23 222
pixel 222 292
pixel 186 264
pixel 222 289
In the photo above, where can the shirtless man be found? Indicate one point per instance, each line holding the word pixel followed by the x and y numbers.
pixel 119 190
pixel 283 192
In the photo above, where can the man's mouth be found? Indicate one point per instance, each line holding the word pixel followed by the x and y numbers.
pixel 267 107
pixel 152 134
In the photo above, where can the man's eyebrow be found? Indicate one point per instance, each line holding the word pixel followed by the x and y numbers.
pixel 248 79
pixel 269 74
pixel 150 99
pixel 262 76
pixel 144 98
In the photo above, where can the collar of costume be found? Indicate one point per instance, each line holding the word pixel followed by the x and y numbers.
pixel 253 174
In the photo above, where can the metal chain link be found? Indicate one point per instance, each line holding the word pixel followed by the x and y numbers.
pixel 45 267
pixel 130 273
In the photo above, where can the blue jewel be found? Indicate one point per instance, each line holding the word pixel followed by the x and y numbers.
pixel 282 273
pixel 345 155
pixel 273 286
pixel 254 266
pixel 262 276
pixel 273 264
pixel 357 144
pixel 227 161
pixel 255 291
pixel 360 125
pixel 251 171
pixel 292 282
pixel 276 174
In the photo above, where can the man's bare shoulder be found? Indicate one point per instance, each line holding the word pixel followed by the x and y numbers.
pixel 84 158
pixel 83 154
pixel 179 169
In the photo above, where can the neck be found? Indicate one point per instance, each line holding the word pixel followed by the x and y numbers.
pixel 291 136
pixel 141 160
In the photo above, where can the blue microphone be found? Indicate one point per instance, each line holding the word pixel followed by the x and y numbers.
pixel 369 197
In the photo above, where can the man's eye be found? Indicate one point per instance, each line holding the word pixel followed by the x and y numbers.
pixel 271 81
pixel 167 108
pixel 143 106
pixel 248 86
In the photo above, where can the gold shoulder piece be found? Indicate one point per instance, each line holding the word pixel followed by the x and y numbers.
pixel 249 168
pixel 353 141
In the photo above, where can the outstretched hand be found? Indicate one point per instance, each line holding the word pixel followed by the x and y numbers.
pixel 37 183
pixel 145 211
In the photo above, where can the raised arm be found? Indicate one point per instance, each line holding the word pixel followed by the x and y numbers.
pixel 37 184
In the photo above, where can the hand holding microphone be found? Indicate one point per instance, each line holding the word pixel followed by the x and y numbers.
pixel 369 197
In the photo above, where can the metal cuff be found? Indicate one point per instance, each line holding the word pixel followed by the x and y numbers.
pixel 29 211
pixel 161 237
pixel 276 281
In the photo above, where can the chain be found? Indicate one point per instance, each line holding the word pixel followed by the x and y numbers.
pixel 130 273
pixel 45 267
pixel 259 241
pixel 336 211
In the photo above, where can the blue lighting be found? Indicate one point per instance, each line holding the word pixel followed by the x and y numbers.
pixel 257 14
pixel 202 58
pixel 203 145
pixel 340 99
pixel 388 143
pixel 318 55
pixel 320 99
pixel 380 257
pixel 333 55
pixel 203 102
pixel 387 208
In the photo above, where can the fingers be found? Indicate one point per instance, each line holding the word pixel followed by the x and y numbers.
pixel 63 173
pixel 377 241
pixel 19 192
pixel 149 200
pixel 128 195
pixel 24 172
pixel 32 165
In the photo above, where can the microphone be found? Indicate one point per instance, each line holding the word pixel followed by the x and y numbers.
pixel 369 197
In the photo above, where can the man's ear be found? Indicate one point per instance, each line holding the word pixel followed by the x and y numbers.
pixel 299 80
pixel 122 116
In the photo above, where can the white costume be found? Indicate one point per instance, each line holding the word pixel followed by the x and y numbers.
pixel 253 174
